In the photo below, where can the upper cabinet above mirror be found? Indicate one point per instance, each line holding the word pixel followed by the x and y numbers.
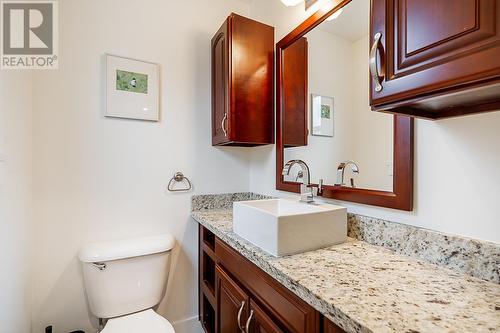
pixel 435 58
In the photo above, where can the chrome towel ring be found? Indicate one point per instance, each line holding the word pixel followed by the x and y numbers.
pixel 179 178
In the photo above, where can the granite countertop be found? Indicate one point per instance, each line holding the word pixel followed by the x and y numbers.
pixel 368 288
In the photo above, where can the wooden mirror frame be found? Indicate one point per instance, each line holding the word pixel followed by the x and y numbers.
pixel 402 195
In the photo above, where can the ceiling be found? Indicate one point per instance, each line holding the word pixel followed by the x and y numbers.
pixel 353 23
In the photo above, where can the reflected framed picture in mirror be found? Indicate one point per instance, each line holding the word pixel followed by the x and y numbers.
pixel 322 115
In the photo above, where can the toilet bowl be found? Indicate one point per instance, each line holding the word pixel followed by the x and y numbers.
pixel 125 279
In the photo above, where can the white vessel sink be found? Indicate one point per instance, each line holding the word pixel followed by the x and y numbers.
pixel 283 227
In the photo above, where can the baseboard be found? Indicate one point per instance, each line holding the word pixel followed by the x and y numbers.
pixel 188 325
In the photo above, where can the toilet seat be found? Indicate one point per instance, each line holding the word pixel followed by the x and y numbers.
pixel 146 321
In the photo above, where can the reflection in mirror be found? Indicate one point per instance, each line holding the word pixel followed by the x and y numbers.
pixel 326 117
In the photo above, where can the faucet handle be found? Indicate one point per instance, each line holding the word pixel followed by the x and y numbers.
pixel 320 187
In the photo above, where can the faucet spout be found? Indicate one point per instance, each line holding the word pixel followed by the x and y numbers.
pixel 306 192
pixel 341 171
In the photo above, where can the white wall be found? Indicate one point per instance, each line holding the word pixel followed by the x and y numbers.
pixel 99 178
pixel 457 183
pixel 15 201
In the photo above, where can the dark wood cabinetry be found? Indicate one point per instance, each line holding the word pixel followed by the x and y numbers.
pixel 242 83
pixel 294 97
pixel 329 327
pixel 232 302
pixel 260 322
pixel 435 58
pixel 246 299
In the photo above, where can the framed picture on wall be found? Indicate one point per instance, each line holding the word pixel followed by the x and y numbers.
pixel 132 89
pixel 322 114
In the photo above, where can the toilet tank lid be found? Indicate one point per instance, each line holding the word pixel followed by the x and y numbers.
pixel 125 248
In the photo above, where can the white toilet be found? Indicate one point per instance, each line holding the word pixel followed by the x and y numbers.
pixel 125 279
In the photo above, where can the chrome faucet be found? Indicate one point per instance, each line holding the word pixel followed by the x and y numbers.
pixel 306 192
pixel 341 170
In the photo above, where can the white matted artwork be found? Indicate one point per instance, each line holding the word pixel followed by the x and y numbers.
pixel 322 114
pixel 132 89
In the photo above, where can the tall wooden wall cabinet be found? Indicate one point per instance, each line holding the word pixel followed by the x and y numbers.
pixel 242 83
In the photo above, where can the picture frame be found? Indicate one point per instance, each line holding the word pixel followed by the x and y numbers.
pixel 322 115
pixel 132 89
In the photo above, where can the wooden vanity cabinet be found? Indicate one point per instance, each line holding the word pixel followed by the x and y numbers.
pixel 242 56
pixel 231 302
pixel 244 291
pixel 329 327
pixel 260 322
pixel 436 58
pixel 237 310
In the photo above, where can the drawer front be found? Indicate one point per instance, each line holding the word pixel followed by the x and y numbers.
pixel 293 313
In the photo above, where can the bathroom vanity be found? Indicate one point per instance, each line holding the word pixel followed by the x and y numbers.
pixel 236 295
pixel 350 287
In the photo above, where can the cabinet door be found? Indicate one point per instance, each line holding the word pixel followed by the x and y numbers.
pixel 259 322
pixel 220 87
pixel 251 116
pixel 232 304
pixel 431 46
pixel 295 94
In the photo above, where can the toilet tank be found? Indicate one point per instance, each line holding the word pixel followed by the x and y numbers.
pixel 125 276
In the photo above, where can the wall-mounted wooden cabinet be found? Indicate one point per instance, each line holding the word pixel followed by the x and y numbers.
pixel 294 95
pixel 435 58
pixel 240 297
pixel 242 83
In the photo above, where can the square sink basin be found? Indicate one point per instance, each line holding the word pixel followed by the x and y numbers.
pixel 284 227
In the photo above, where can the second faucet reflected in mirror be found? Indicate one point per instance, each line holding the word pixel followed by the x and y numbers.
pixel 341 173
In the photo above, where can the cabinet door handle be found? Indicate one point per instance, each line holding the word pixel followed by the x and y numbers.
pixel 247 326
pixel 240 312
pixel 223 124
pixel 376 77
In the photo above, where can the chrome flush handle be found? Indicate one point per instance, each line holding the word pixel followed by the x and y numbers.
pixel 376 77
pixel 99 265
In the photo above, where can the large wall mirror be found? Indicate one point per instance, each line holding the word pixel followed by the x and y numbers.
pixel 324 117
